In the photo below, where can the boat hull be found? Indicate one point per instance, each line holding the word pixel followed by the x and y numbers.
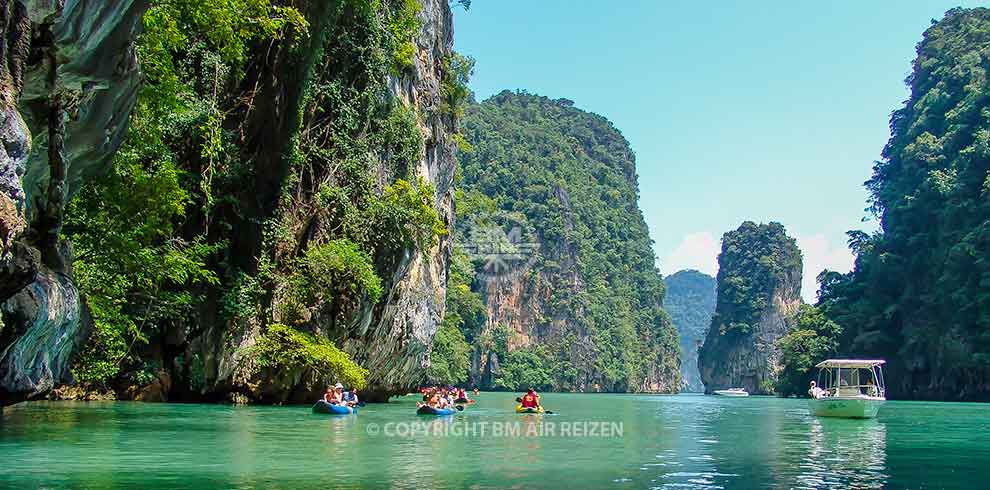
pixel 428 410
pixel 324 407
pixel 521 409
pixel 730 393
pixel 850 408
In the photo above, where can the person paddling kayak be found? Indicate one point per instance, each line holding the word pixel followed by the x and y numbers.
pixel 530 400
pixel 461 396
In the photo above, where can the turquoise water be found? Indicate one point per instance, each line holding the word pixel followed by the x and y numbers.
pixel 676 442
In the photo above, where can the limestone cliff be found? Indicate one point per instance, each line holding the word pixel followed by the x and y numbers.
pixel 394 345
pixel 759 292
pixel 690 302
pixel 69 80
pixel 563 259
pixel 313 204
pixel 316 137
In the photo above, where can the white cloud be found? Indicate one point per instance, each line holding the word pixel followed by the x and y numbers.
pixel 697 250
pixel 818 255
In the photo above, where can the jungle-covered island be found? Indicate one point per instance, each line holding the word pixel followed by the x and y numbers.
pixel 246 201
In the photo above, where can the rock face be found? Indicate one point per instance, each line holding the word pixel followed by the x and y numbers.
pixel 390 337
pixel 395 344
pixel 355 106
pixel 690 302
pixel 69 80
pixel 563 257
pixel 759 292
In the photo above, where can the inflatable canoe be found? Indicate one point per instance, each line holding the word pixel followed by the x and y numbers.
pixel 324 407
pixel 520 409
pixel 428 410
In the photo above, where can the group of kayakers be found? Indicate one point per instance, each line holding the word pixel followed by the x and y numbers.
pixel 435 397
pixel 337 395
pixel 444 397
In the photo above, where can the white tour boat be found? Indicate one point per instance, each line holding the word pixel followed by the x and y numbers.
pixel 732 392
pixel 850 388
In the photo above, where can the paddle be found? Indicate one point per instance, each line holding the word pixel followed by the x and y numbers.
pixel 460 408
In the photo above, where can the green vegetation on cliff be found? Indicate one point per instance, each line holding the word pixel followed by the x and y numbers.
pixel 462 322
pixel 920 291
pixel 133 264
pixel 812 339
pixel 268 186
pixel 565 179
pixel 690 302
pixel 754 262
pixel 283 348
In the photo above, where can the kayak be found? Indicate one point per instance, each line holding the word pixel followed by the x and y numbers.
pixel 428 410
pixel 521 409
pixel 324 407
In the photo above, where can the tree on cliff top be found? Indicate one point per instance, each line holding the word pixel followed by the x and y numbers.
pixel 759 290
pixel 919 295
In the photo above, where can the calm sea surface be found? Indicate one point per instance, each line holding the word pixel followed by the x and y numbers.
pixel 591 441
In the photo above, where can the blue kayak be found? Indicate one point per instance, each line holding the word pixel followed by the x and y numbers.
pixel 324 407
pixel 428 410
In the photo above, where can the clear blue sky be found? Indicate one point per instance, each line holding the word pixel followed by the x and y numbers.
pixel 746 110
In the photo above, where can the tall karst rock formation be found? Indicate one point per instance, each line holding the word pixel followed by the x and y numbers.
pixel 563 257
pixel 759 292
pixel 362 161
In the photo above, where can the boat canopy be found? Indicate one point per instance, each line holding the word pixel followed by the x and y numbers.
pixel 850 363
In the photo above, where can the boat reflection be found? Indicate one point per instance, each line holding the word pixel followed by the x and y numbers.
pixel 845 454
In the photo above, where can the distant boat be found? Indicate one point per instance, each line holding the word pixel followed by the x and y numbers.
pixel 732 392
pixel 849 388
